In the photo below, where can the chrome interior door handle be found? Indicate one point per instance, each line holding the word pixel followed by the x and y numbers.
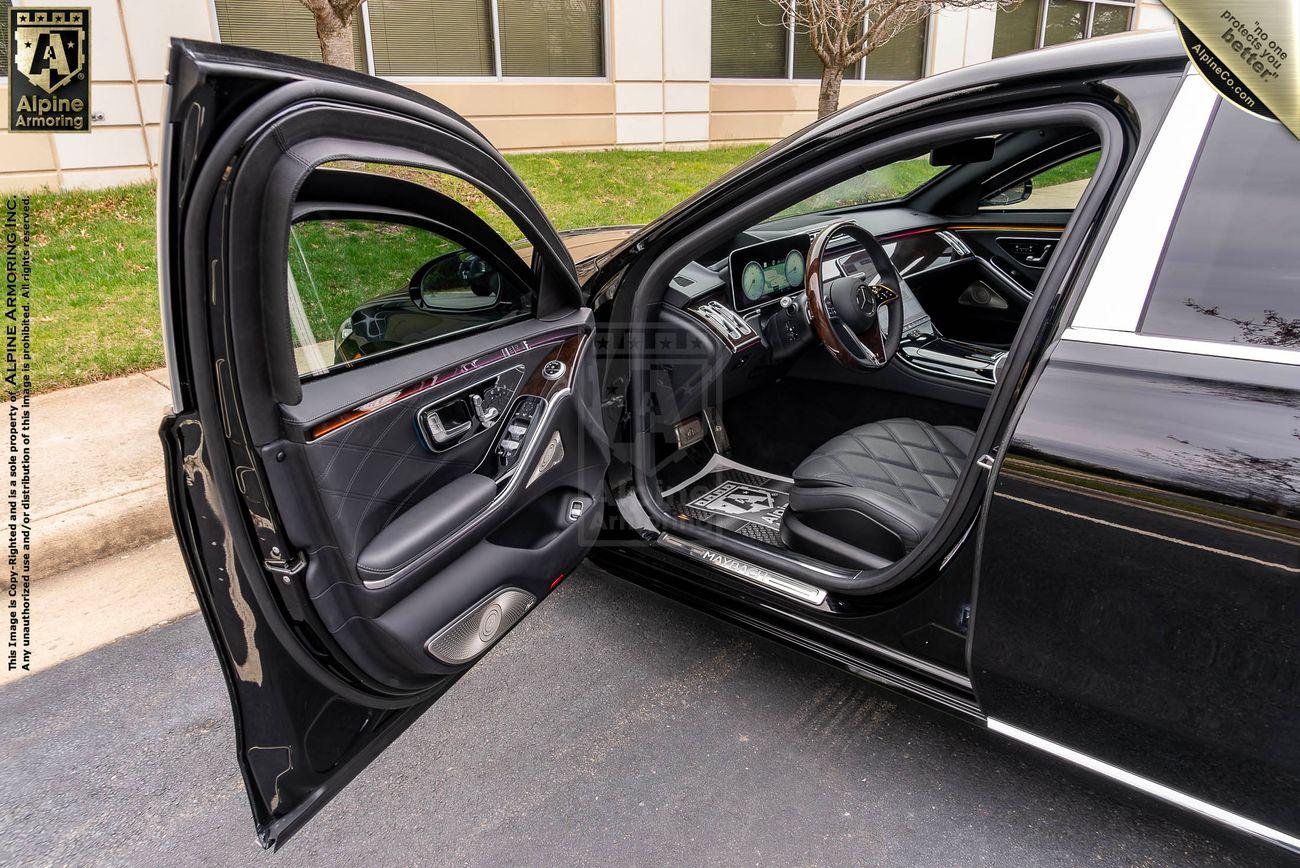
pixel 441 434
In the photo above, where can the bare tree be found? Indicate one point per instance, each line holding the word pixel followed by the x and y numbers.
pixel 842 32
pixel 334 29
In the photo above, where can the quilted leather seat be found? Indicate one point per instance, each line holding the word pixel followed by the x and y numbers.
pixel 879 487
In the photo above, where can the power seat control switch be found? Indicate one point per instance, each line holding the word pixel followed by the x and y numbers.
pixel 516 432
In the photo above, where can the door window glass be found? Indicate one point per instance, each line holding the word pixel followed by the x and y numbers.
pixel 1056 189
pixel 1229 272
pixel 362 287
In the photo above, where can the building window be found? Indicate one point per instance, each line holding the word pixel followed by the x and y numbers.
pixel 284 26
pixel 563 38
pixel 431 37
pixel 551 37
pixel 750 41
pixel 1039 23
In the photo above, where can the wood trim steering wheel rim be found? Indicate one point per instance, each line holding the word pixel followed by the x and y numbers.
pixel 876 348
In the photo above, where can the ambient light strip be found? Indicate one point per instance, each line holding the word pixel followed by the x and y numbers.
pixel 329 426
pixel 1160 791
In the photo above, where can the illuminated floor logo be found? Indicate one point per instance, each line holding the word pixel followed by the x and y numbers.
pixel 750 503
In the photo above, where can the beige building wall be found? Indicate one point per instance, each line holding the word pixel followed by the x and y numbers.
pixel 657 94
pixel 128 62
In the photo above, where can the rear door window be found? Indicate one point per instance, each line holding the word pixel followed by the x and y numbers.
pixel 1231 268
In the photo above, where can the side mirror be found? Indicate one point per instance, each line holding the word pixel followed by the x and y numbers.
pixel 1011 195
pixel 457 282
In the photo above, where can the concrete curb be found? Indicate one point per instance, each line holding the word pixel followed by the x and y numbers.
pixel 100 530
pixel 97 472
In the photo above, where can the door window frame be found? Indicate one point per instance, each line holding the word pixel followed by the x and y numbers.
pixel 1111 305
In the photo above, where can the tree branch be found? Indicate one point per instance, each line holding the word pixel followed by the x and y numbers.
pixel 843 32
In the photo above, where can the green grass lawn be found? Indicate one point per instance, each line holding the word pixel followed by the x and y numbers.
pixel 95 305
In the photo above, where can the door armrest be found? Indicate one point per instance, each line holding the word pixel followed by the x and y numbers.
pixel 425 525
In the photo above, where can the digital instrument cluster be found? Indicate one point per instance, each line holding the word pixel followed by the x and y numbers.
pixel 765 272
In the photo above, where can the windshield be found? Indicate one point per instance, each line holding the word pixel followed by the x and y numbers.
pixel 892 181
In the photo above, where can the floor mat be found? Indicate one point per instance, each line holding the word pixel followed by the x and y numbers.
pixel 735 498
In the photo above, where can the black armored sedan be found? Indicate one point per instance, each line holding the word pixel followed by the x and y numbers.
pixel 985 389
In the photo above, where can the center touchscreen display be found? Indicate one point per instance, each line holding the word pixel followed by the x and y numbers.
pixel 767 271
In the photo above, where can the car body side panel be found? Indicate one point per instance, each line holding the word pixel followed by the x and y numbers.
pixel 1140 572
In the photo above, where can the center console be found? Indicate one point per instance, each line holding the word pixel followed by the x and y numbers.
pixel 925 349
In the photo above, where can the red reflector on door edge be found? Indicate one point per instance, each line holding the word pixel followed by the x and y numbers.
pixel 555 581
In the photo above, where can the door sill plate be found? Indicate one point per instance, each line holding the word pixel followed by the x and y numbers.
pixel 752 573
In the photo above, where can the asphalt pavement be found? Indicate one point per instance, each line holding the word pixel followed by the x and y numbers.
pixel 611 727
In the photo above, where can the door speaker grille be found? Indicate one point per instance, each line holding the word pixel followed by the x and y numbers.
pixel 480 626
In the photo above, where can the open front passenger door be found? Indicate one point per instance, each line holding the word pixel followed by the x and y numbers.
pixel 386 446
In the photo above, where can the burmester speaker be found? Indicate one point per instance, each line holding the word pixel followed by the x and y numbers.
pixel 480 626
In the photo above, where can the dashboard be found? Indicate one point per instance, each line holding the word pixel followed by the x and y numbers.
pixel 966 286
pixel 762 273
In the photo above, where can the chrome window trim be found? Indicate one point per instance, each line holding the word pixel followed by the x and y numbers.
pixel 1248 352
pixel 1118 288
pixel 954 241
pixel 1148 786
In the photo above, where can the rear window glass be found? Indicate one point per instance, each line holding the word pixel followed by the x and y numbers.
pixel 1231 270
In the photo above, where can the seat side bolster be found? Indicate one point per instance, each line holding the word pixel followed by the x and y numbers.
pixel 903 520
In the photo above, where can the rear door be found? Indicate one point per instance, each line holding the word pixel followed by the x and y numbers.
pixel 386 448
pixel 1140 566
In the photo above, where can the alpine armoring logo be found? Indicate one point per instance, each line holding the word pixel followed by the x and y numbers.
pixel 49 70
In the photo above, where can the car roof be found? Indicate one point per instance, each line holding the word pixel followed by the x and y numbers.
pixel 1125 52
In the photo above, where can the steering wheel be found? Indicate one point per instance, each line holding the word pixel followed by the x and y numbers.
pixel 845 309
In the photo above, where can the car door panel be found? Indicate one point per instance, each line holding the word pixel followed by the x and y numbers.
pixel 1137 561
pixel 348 566
pixel 376 478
